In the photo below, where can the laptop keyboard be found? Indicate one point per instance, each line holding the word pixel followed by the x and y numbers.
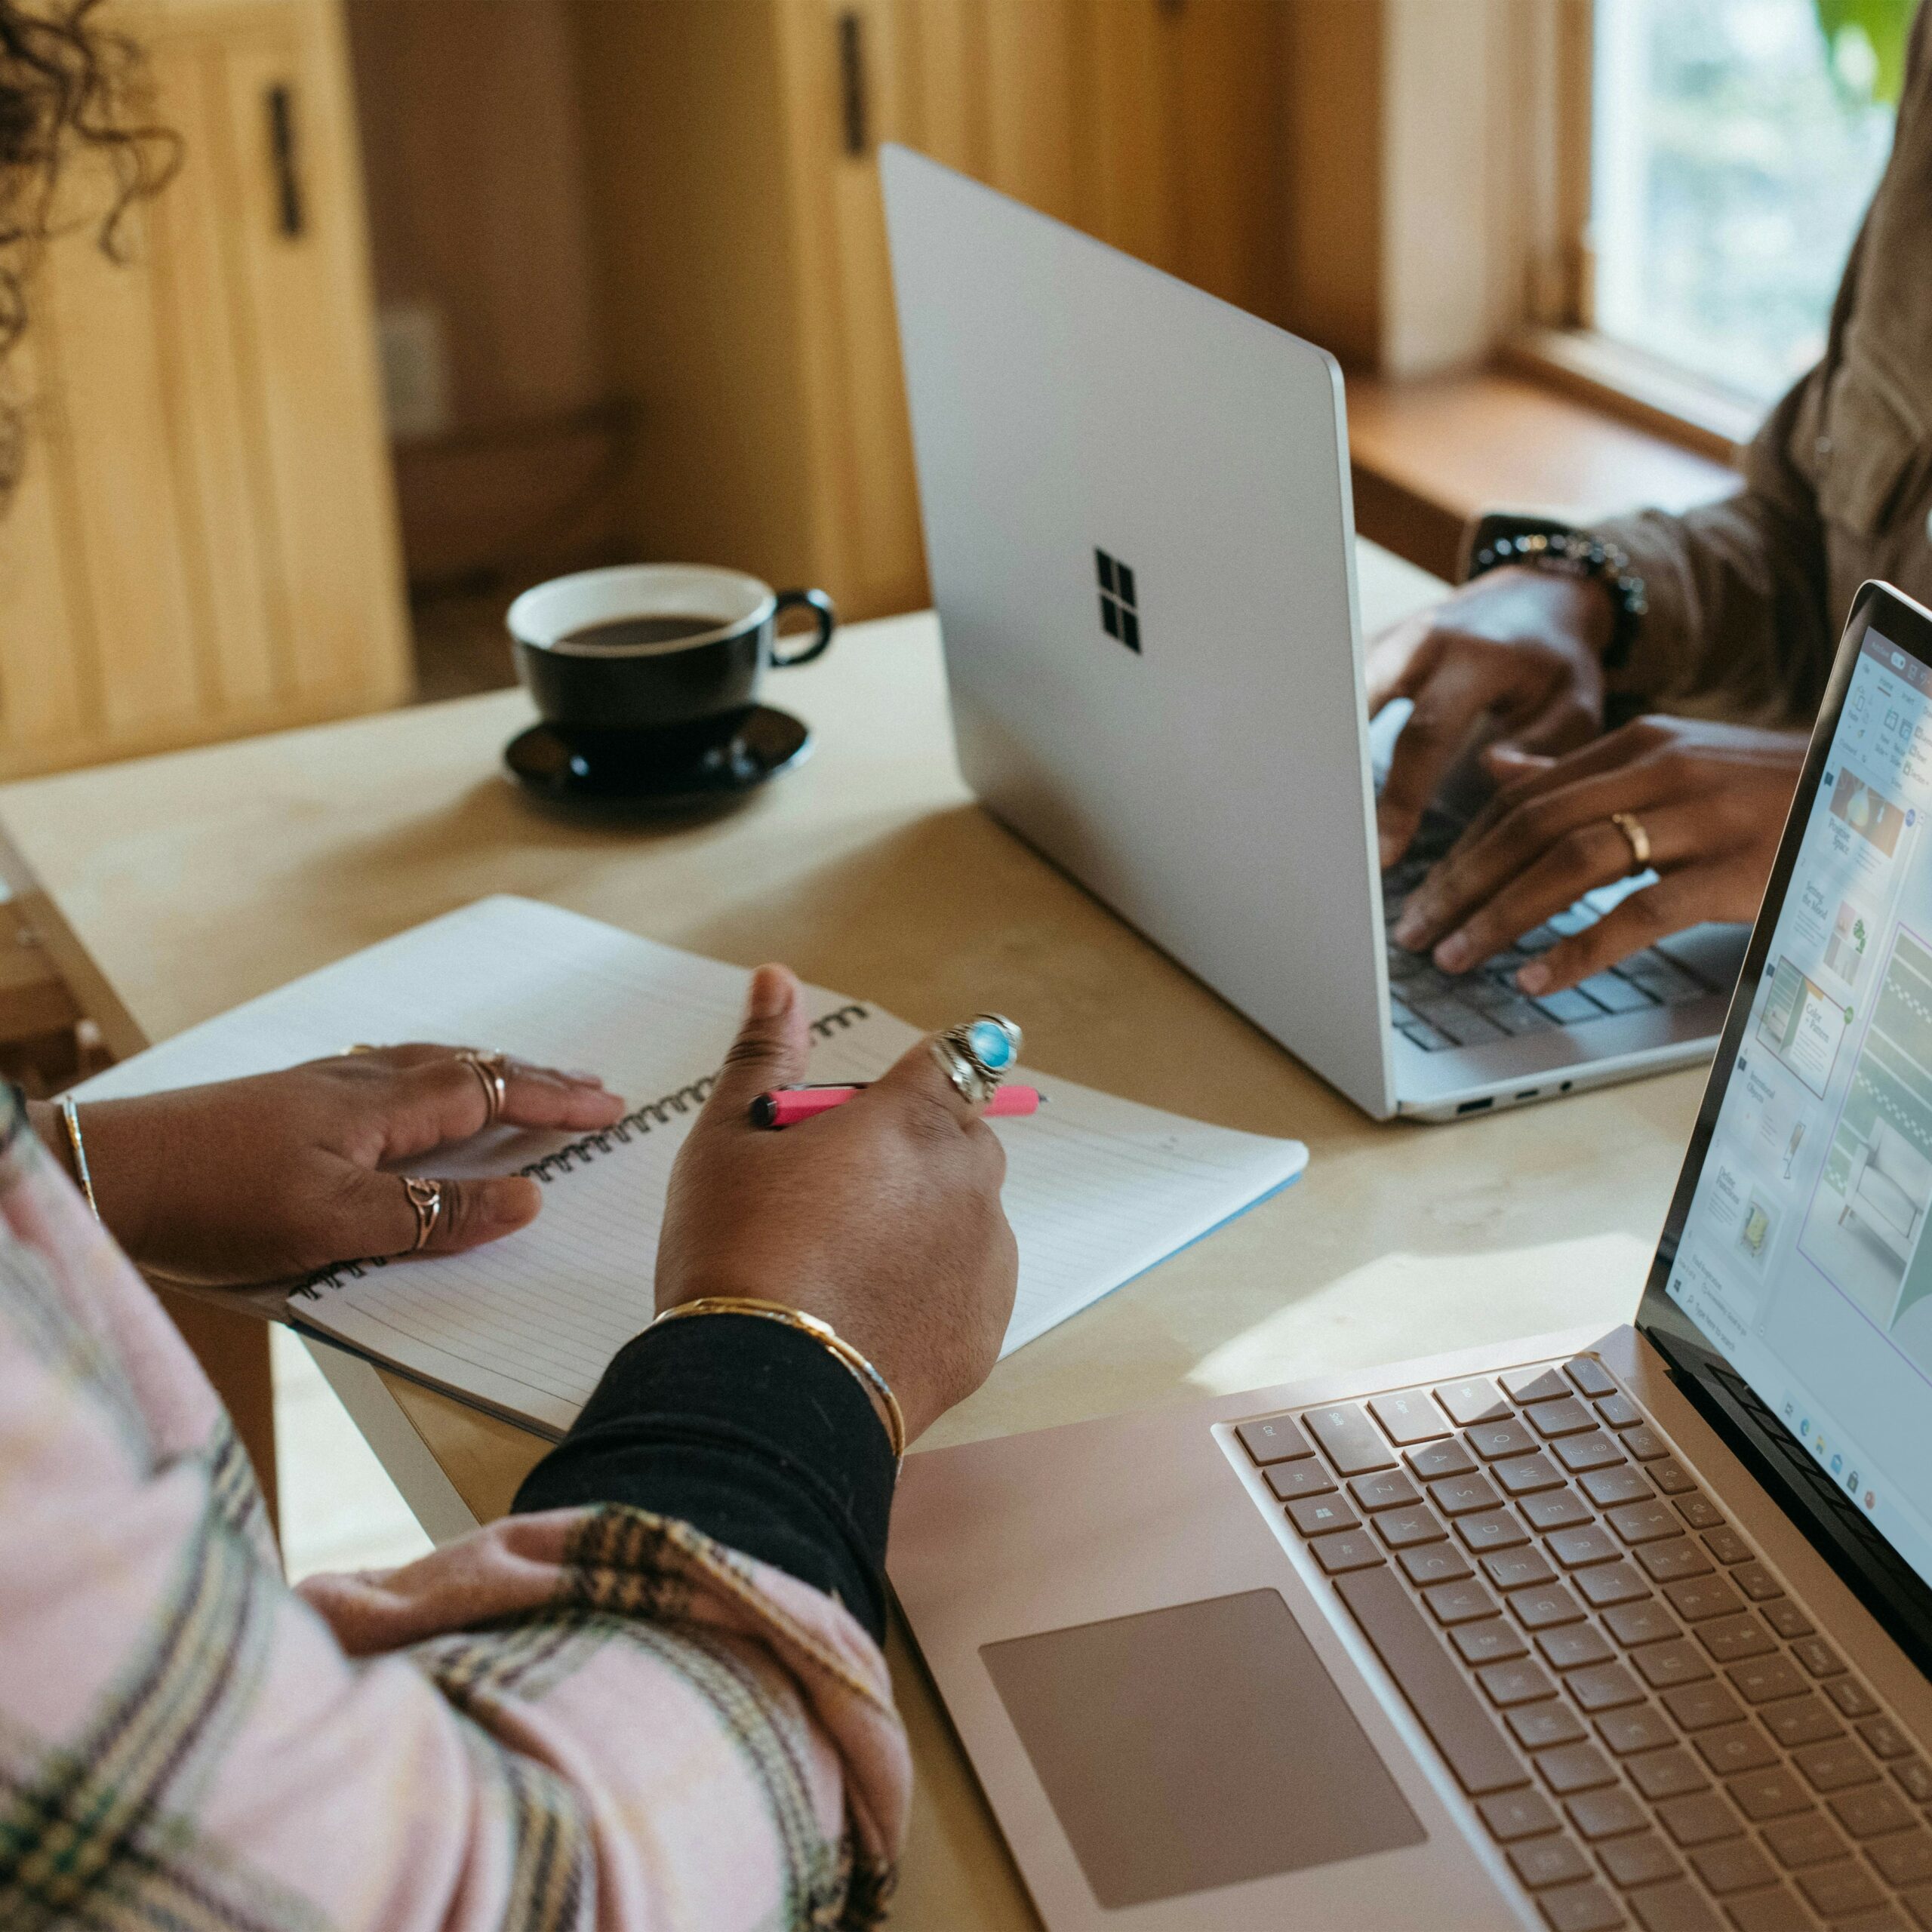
pixel 1438 1010
pixel 1646 1722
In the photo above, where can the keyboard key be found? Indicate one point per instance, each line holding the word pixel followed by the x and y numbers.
pixel 1608 1488
pixel 1604 1687
pixel 1670 1476
pixel 1726 1545
pixel 1871 1812
pixel 1701 1818
pixel 1642 1729
pixel 1553 1509
pixel 1518 1016
pixel 1569 1417
pixel 1492 1441
pixel 1545 1607
pixel 1407 1417
pixel 1610 1584
pixel 1905 1858
pixel 1532 1385
pixel 1698 1598
pixel 1569 1008
pixel 1729 1638
pixel 1849 1696
pixel 1459 1603
pixel 1419 1033
pixel 1642 1860
pixel 1574 1767
pixel 1475 1400
pixel 1349 1439
pixel 1767 1681
pixel 1835 1766
pixel 1737 1866
pixel 1289 1480
pixel 1460 1495
pixel 1321 1515
pixel 1703 1706
pixel 1550 1861
pixel 1274 1439
pixel 1769 1794
pixel 1510 1683
pixel 1672 1773
pixel 1439 1458
pixel 1584 1908
pixel 1821 1660
pixel 1669 985
pixel 1494 1529
pixel 1918 1902
pixel 1807 1720
pixel 1524 1476
pixel 1616 995
pixel 1434 1563
pixel 1665 1562
pixel 1734 1749
pixel 1838 1890
pixel 1914 1779
pixel 1575 1549
pixel 1605 1814
pixel 1643 1441
pixel 1494 1641
pixel 1511 1815
pixel 1701 1513
pixel 1464 1027
pixel 1595 1451
pixel 1572 1646
pixel 1769 1911
pixel 1590 1376
pixel 1810 1839
pixel 1537 1727
pixel 1645 1522
pixel 1675 1907
pixel 1468 1737
pixel 1646 1622
pixel 1783 1616
pixel 1516 1569
pixel 1403 1529
pixel 1353 1549
pixel 1389 1489
pixel 1618 1411
pixel 1665 1666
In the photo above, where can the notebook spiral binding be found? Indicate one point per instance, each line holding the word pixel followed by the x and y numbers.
pixel 581 1152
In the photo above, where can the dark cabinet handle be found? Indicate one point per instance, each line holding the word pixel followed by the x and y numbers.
pixel 852 82
pixel 290 216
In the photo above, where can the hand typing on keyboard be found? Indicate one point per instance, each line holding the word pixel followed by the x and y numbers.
pixel 1710 800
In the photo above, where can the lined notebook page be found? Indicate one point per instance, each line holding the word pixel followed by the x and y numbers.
pixel 1097 1188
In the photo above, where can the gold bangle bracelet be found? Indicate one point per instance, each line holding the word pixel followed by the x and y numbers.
pixel 875 1385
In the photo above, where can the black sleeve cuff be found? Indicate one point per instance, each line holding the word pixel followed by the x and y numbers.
pixel 752 1433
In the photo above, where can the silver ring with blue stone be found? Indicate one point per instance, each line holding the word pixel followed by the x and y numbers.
pixel 977 1056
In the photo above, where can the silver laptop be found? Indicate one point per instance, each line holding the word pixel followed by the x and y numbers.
pixel 1140 535
pixel 1613 1630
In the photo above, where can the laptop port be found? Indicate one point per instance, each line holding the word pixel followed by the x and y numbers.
pixel 1528 1094
pixel 1473 1107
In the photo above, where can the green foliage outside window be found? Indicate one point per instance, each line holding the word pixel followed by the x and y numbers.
pixel 1867 40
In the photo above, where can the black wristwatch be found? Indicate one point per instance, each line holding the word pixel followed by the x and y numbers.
pixel 1541 543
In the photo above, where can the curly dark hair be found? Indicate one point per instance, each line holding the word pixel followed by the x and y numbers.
pixel 66 84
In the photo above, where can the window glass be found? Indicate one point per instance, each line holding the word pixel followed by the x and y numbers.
pixel 1736 143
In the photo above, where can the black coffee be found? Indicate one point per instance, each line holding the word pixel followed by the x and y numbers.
pixel 627 633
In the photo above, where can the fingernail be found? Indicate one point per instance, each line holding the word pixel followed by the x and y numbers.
pixel 769 993
pixel 1409 929
pixel 1534 977
pixel 1452 955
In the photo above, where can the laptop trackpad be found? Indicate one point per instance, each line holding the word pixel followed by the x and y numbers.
pixel 1196 1746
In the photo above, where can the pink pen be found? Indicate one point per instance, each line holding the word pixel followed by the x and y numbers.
pixel 788 1106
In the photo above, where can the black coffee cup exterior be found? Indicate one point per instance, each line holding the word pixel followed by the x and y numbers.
pixel 683 693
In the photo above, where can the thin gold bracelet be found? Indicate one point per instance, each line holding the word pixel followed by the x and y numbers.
pixel 70 1115
pixel 868 1377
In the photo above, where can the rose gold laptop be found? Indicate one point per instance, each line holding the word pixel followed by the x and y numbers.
pixel 1600 1630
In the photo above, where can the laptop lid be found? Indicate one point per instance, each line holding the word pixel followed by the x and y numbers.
pixel 1141 537
pixel 1791 1291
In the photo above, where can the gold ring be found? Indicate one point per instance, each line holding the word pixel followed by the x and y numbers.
pixel 361 1047
pixel 488 1067
pixel 425 1197
pixel 1632 828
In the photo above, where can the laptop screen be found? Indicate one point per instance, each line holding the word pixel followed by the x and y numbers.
pixel 1794 1264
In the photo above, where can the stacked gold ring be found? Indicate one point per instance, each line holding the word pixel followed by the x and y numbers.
pixel 1632 827
pixel 489 1069
pixel 425 1197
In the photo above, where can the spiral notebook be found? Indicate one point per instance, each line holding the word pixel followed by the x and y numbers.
pixel 1098 1189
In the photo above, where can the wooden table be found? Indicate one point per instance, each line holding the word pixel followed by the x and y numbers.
pixel 198 880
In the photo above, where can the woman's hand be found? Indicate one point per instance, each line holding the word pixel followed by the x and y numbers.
pixel 1711 797
pixel 262 1179
pixel 881 1217
pixel 1522 647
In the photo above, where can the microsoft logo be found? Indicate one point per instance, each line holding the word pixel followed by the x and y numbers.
pixel 1119 617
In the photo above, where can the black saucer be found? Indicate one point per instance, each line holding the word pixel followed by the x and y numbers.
pixel 618 771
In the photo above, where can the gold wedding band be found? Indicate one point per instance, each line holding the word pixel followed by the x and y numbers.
pixel 425 1199
pixel 489 1069
pixel 1632 828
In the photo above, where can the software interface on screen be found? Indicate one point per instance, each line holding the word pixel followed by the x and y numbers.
pixel 1804 1255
